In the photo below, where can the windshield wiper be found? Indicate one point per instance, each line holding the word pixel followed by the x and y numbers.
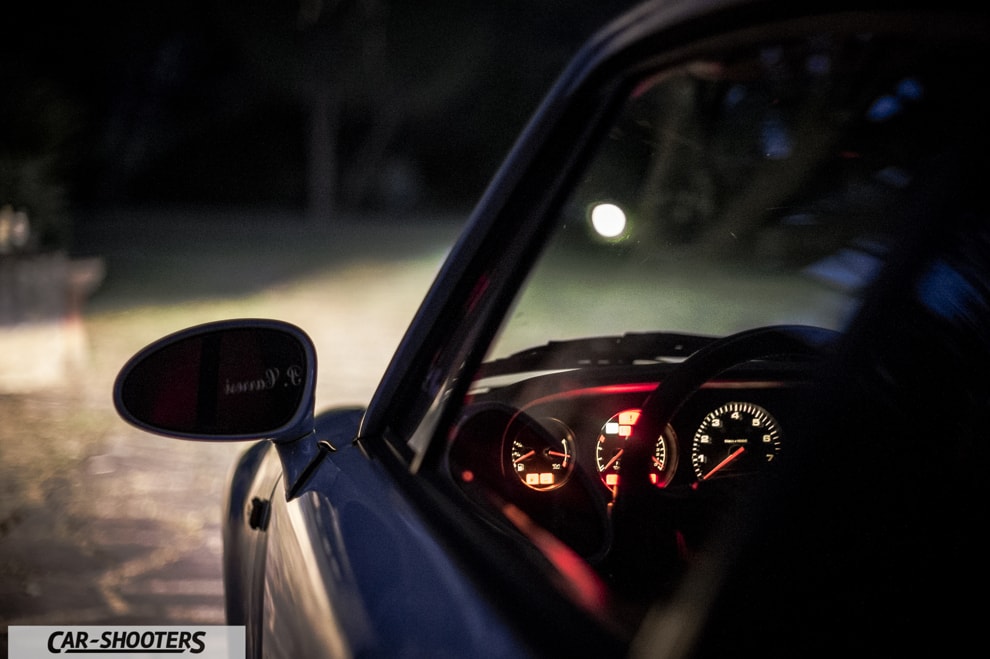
pixel 627 349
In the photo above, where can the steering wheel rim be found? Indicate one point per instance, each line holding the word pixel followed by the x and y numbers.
pixel 639 505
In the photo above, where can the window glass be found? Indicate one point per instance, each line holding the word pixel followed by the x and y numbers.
pixel 762 188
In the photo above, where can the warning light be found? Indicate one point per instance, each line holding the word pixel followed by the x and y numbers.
pixel 629 417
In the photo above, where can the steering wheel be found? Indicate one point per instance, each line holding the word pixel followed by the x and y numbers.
pixel 644 516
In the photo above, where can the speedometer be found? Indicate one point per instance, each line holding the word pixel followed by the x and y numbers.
pixel 734 439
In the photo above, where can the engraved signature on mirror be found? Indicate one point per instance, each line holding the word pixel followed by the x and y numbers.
pixel 271 379
pixel 230 382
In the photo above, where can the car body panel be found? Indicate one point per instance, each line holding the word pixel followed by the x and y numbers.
pixel 343 559
pixel 253 482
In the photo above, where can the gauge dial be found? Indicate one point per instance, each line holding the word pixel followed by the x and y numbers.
pixel 612 444
pixel 737 438
pixel 543 461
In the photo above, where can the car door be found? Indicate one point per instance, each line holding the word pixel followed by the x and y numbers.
pixel 254 481
pixel 350 569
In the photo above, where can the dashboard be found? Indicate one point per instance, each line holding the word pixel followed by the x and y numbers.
pixel 551 446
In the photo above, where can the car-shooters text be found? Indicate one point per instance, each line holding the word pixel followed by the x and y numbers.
pixel 170 642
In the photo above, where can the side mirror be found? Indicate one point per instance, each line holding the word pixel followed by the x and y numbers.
pixel 229 380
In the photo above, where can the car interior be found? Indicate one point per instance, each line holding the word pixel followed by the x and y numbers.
pixel 740 286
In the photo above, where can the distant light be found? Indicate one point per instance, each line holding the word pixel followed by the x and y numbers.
pixel 776 140
pixel 884 108
pixel 910 89
pixel 608 220
pixel 890 105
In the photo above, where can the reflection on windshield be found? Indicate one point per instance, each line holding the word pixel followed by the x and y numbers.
pixel 764 187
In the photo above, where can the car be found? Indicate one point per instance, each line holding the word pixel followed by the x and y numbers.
pixel 704 375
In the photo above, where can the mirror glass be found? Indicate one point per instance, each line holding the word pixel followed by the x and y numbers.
pixel 235 381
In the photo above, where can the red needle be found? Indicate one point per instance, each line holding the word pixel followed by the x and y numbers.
pixel 732 456
pixel 559 455
pixel 524 456
pixel 614 458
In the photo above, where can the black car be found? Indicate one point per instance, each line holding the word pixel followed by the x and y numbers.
pixel 706 374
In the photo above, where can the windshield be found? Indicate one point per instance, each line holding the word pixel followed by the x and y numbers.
pixel 762 188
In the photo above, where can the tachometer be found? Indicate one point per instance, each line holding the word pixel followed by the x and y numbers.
pixel 612 444
pixel 543 461
pixel 736 438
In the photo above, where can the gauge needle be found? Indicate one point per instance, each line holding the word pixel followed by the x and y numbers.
pixel 558 454
pixel 614 458
pixel 524 456
pixel 732 456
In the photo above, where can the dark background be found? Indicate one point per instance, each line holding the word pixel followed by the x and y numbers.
pixel 319 106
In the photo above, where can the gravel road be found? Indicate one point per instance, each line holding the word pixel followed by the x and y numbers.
pixel 103 524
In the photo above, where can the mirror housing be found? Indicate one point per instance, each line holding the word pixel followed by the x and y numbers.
pixel 228 380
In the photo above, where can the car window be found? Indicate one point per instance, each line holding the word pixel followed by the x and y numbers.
pixel 762 188
pixel 771 185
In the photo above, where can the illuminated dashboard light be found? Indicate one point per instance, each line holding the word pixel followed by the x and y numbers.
pixel 608 220
pixel 629 417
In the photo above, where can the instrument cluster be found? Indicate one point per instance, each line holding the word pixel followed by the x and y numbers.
pixel 726 431
pixel 553 446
